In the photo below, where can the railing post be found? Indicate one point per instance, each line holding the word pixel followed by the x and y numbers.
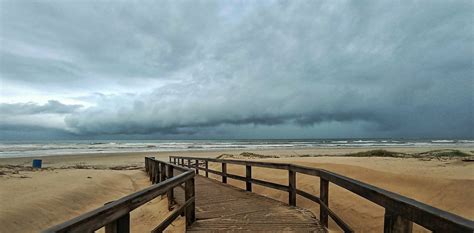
pixel 324 196
pixel 149 169
pixel 224 173
pixel 394 223
pixel 207 168
pixel 163 172
pixel 197 166
pixel 170 193
pixel 189 163
pixel 150 164
pixel 121 225
pixel 152 170
pixel 292 187
pixel 157 174
pixel 146 165
pixel 248 178
pixel 190 209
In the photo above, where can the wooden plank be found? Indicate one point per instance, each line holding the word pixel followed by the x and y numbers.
pixel 190 210
pixel 292 188
pixel 224 208
pixel 196 166
pixel 121 225
pixel 271 185
pixel 146 165
pixel 207 167
pixel 324 197
pixel 236 177
pixel 151 171
pixel 394 223
pixel 274 165
pixel 162 172
pixel 156 173
pixel 224 173
pixel 304 170
pixel 248 178
pixel 214 172
pixel 170 193
pixel 156 178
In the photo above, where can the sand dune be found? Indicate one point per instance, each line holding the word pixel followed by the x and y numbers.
pixel 41 199
pixel 44 198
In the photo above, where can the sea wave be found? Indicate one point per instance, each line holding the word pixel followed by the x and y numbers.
pixel 442 141
pixel 44 148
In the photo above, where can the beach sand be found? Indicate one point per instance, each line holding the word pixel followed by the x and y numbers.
pixel 72 184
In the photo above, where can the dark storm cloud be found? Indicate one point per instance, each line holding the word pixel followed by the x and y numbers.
pixel 22 120
pixel 383 68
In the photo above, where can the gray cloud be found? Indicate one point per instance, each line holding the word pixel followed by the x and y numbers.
pixel 52 106
pixel 379 68
pixel 22 120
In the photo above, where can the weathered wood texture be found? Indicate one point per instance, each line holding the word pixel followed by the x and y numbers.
pixel 222 207
pixel 324 197
pixel 121 225
pixel 401 211
pixel 115 216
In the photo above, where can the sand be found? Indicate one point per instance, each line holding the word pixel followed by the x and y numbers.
pixel 35 200
pixel 447 193
pixel 43 198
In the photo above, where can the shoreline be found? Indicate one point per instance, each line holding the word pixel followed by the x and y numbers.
pixel 326 151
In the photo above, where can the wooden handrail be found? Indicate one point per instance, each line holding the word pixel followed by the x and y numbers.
pixel 115 216
pixel 400 211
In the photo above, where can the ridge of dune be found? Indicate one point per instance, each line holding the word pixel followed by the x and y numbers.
pixel 46 198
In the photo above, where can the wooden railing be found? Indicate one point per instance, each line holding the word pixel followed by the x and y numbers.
pixel 115 216
pixel 400 212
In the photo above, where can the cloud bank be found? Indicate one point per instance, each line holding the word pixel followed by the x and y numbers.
pixel 242 69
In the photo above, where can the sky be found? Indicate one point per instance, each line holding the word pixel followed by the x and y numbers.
pixel 83 69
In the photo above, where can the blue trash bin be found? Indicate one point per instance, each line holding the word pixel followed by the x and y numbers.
pixel 37 163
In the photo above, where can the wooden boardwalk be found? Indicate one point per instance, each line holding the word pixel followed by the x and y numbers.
pixel 211 206
pixel 225 208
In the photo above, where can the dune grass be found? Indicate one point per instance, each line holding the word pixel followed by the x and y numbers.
pixel 442 153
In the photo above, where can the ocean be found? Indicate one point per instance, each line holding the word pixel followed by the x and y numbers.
pixel 10 149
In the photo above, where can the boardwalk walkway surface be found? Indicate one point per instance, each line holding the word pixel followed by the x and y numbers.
pixel 222 207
